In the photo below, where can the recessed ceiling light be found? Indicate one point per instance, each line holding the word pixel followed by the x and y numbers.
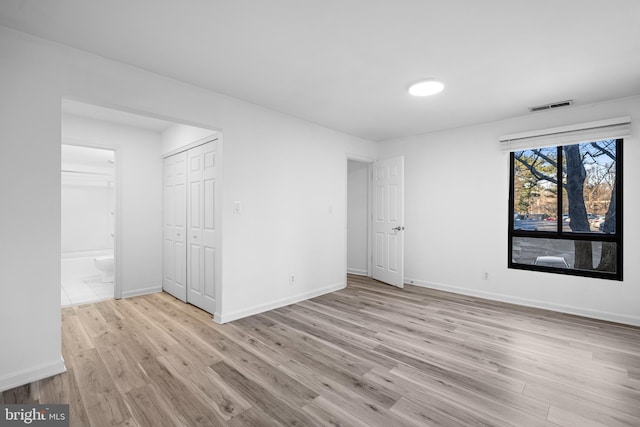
pixel 426 88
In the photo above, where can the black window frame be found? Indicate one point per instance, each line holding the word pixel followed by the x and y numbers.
pixel 560 234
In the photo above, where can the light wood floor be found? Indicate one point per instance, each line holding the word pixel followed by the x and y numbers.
pixel 369 355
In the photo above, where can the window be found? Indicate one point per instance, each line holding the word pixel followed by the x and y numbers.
pixel 565 209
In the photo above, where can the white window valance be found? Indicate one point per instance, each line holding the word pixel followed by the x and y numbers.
pixel 619 127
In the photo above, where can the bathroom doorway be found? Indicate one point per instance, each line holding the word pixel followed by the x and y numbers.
pixel 358 226
pixel 88 223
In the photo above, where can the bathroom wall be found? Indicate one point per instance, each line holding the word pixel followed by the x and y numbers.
pixel 139 196
pixel 86 214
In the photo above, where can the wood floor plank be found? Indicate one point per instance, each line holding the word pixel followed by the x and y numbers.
pixel 321 380
pixel 564 418
pixel 566 395
pixel 92 320
pixel 422 405
pixel 63 388
pixel 148 408
pixel 254 417
pixel 121 355
pixel 145 327
pixel 462 383
pixel 325 413
pixel 271 378
pixel 109 311
pixel 333 338
pixel 304 347
pixel 188 407
pixel 510 408
pixel 23 394
pixel 367 411
pixel 367 355
pixel 98 390
pixel 75 335
pixel 260 397
pixel 224 399
pixel 249 341
pixel 431 415
pixel 365 398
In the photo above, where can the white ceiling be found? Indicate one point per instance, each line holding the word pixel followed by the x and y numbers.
pixel 346 64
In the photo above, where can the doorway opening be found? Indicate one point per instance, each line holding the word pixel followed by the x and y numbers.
pixel 358 231
pixel 88 221
pixel 375 219
pixel 139 143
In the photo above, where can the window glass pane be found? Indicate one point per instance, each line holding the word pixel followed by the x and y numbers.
pixel 565 254
pixel 535 189
pixel 589 176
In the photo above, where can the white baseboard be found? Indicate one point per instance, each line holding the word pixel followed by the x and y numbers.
pixel 357 272
pixel 560 308
pixel 30 375
pixel 141 291
pixel 239 314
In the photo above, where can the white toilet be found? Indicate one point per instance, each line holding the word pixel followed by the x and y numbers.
pixel 105 265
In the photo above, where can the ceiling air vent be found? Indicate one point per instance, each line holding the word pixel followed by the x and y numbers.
pixel 551 106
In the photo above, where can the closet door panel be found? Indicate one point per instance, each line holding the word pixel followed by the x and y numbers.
pixel 174 219
pixel 209 273
pixel 195 279
pixel 202 238
pixel 209 229
pixel 195 211
pixel 209 204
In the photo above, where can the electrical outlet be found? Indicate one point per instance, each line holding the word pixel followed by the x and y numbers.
pixel 292 279
pixel 485 275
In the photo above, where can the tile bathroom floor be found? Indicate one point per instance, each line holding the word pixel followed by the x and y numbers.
pixel 84 291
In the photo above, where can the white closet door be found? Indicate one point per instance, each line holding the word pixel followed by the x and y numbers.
pixel 174 228
pixel 201 236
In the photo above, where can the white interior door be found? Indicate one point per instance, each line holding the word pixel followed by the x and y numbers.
pixel 174 273
pixel 201 237
pixel 388 219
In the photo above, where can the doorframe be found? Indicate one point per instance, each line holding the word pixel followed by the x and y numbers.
pixel 219 208
pixel 369 162
pixel 117 238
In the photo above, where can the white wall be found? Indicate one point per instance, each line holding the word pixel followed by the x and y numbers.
pixel 357 211
pixel 292 187
pixel 288 173
pixel 139 194
pixel 456 201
